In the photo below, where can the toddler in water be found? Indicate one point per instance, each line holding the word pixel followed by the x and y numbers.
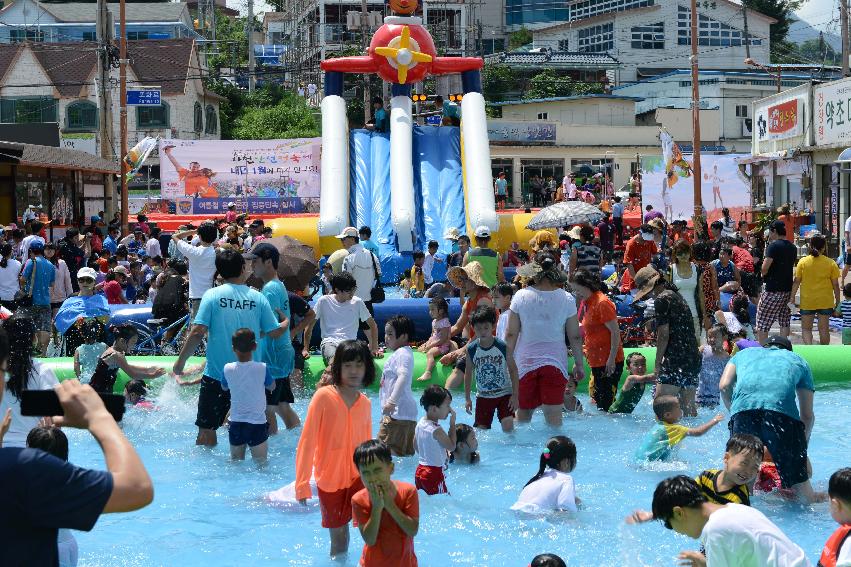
pixel 431 442
pixel 659 443
pixel 571 402
pixel 398 408
pixel 715 358
pixel 53 441
pixel 86 355
pixel 439 343
pixel 134 394
pixel 245 379
pixel 845 310
pixel 552 487
pixel 502 294
pixel 837 550
pixel 466 445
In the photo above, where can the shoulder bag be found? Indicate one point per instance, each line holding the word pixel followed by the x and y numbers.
pixel 24 298
pixel 376 294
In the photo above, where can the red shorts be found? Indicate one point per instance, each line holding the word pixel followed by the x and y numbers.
pixel 336 506
pixel 542 386
pixel 430 480
pixel 485 408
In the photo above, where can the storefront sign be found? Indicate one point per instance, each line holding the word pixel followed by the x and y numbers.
pixel 779 121
pixel 255 205
pixel 522 132
pixel 832 113
pixel 80 142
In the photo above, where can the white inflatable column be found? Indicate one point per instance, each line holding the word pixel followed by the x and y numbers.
pixel 402 172
pixel 334 195
pixel 481 208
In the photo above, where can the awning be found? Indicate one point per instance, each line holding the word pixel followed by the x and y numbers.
pixel 773 156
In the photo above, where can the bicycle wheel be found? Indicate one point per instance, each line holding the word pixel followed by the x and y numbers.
pixel 146 344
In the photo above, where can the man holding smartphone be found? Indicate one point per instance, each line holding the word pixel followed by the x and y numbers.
pixel 39 494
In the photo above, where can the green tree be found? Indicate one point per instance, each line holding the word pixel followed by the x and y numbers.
pixel 289 118
pixel 519 38
pixel 783 12
pixel 818 51
pixel 497 80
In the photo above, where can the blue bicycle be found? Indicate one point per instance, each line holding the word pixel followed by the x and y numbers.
pixel 155 339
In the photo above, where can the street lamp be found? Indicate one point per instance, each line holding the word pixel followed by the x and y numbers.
pixel 750 62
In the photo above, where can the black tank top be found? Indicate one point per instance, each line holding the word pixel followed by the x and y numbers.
pixel 103 380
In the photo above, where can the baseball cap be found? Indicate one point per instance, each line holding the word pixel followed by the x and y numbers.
pixel 87 273
pixel 231 204
pixel 778 341
pixel 36 245
pixel 482 232
pixel 95 218
pixel 349 232
pixel 121 270
pixel 777 224
pixel 264 251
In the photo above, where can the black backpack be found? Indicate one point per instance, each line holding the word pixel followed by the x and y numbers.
pixel 171 298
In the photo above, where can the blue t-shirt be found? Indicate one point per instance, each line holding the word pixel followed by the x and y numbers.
pixel 767 379
pixel 278 354
pixel 501 186
pixel 370 245
pixel 41 494
pixel 110 244
pixel 226 309
pixel 45 273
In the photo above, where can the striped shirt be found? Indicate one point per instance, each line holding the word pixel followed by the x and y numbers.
pixel 708 483
pixel 845 309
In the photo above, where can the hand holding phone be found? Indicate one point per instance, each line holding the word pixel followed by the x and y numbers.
pixel 72 404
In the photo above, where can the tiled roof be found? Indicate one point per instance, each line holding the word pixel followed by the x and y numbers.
pixel 566 98
pixel 134 11
pixel 60 158
pixel 165 63
pixel 554 58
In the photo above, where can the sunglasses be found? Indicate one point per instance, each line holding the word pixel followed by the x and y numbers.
pixel 84 280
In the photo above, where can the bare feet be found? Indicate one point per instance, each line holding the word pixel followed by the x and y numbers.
pixel 425 377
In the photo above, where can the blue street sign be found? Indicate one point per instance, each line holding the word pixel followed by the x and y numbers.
pixel 433 119
pixel 145 97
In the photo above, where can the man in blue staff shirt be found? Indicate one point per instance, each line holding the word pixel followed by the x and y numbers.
pixel 223 311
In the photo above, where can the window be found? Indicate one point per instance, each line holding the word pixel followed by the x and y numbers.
pixel 27 110
pixel 152 116
pixel 17 36
pixel 589 8
pixel 492 46
pixel 81 115
pixel 520 12
pixel 597 39
pixel 212 120
pixel 742 110
pixel 651 36
pixel 135 35
pixel 543 116
pixel 89 36
pixel 710 32
pixel 563 45
pixel 199 118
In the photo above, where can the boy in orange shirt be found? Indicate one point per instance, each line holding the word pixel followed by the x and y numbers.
pixel 387 511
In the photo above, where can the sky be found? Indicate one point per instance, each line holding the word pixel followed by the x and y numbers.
pixel 820 13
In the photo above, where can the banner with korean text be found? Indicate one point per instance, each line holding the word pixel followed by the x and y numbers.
pixel 258 176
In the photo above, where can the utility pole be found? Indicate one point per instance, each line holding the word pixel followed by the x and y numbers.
pixel 122 73
pixel 249 29
pixel 103 33
pixel 364 27
pixel 695 113
pixel 843 19
pixel 747 35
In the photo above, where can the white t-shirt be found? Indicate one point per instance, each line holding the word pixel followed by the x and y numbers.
pixel 152 248
pixel 844 557
pixel 543 315
pixel 847 229
pixel 25 244
pixel 502 324
pixel 359 264
pixel 340 321
pixel 741 536
pixel 429 451
pixel 428 266
pixel 396 384
pixel 202 267
pixel 9 283
pixel 247 382
pixel 41 378
pixel 553 491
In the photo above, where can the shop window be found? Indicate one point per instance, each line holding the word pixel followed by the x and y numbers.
pixel 152 116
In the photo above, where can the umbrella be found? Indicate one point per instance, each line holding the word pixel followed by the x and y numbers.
pixel 585 169
pixel 297 264
pixel 564 214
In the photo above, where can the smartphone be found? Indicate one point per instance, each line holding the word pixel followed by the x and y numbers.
pixel 42 403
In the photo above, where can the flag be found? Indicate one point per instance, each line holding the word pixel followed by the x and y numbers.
pixel 137 155
pixel 676 165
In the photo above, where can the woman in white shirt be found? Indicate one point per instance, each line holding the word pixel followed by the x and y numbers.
pixel 24 374
pixel 684 275
pixel 61 288
pixel 9 271
pixel 552 488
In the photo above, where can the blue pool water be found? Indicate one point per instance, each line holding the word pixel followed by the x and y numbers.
pixel 210 511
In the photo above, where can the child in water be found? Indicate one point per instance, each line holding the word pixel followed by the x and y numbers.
pixel 715 358
pixel 633 387
pixel 431 442
pixel 659 443
pixel 837 550
pixel 439 343
pixel 552 488
pixel 114 358
pixel 86 355
pixel 571 402
pixel 134 394
pixel 398 408
pixel 502 294
pixel 466 445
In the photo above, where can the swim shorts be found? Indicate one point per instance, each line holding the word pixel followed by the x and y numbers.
pixel 213 404
pixel 542 386
pixel 784 437
pixel 485 408
pixel 336 507
pixel 828 311
pixel 251 434
pixel 430 480
pixel 398 434
pixel 328 348
pixel 281 393
pixel 773 306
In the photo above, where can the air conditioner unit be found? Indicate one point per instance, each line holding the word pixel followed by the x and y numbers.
pixel 747 128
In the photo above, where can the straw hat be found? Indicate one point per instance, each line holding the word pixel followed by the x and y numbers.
pixel 574 232
pixel 472 271
pixel 645 280
pixel 657 224
pixel 452 234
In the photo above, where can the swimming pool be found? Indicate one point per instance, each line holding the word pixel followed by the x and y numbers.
pixel 210 511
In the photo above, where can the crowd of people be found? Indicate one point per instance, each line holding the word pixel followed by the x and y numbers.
pixel 593 188
pixel 514 340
